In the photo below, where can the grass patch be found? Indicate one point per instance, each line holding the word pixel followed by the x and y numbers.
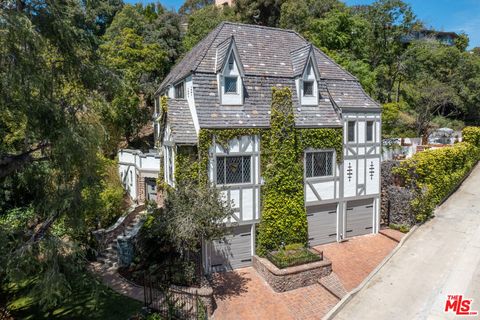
pixel 93 301
pixel 292 255
pixel 400 227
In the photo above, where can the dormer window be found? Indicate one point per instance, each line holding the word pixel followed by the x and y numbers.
pixel 308 85
pixel 180 90
pixel 230 78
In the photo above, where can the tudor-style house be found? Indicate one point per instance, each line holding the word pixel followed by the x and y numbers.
pixel 226 82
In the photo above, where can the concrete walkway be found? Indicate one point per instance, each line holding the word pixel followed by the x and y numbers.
pixel 441 258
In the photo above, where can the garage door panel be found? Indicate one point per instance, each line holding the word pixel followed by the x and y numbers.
pixel 233 251
pixel 322 224
pixel 359 217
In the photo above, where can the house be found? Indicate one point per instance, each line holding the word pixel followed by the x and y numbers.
pixel 225 83
pixel 446 38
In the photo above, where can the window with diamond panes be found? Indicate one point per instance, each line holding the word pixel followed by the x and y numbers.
pixel 319 164
pixel 231 170
pixel 308 88
pixel 230 84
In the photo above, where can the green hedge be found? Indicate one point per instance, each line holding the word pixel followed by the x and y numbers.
pixel 471 135
pixel 433 174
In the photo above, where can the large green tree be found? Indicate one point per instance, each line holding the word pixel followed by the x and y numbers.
pixel 51 138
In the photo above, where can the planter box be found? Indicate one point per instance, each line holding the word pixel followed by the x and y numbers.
pixel 290 278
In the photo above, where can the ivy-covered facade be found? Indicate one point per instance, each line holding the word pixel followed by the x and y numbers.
pixel 292 140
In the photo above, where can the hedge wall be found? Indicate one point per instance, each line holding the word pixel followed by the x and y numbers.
pixel 433 174
pixel 471 135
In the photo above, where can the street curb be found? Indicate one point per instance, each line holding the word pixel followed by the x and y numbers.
pixel 341 304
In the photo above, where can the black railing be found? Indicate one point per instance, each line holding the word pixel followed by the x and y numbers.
pixel 172 302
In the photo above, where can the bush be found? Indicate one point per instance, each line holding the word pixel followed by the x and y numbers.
pixel 292 255
pixel 433 174
pixel 400 227
pixel 471 135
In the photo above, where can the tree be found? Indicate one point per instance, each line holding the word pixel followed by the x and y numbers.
pixel 50 138
pixel 190 6
pixel 138 47
pixel 262 12
pixel 202 21
pixel 296 15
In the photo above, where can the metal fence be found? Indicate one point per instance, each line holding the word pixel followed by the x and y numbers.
pixel 172 302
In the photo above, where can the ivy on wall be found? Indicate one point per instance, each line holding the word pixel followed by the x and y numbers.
pixel 282 146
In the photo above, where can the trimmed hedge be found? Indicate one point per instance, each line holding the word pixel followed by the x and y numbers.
pixel 471 135
pixel 433 174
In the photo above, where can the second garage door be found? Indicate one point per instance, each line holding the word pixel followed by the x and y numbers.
pixel 359 217
pixel 322 224
pixel 232 252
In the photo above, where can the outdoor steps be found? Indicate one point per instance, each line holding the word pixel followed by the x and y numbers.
pixel 108 258
pixel 333 285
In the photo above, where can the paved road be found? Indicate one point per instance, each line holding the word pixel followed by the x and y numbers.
pixel 442 257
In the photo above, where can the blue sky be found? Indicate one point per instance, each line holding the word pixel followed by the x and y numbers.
pixel 445 15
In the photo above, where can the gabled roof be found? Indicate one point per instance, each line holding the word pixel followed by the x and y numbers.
pixel 263 51
pixel 181 122
pixel 270 57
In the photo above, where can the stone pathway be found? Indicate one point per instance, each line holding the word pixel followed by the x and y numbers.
pixel 116 282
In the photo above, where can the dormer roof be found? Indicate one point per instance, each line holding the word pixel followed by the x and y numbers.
pixel 224 50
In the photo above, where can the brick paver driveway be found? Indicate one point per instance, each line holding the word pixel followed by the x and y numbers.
pixel 244 295
pixel 353 260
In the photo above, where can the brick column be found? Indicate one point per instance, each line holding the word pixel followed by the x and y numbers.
pixel 141 189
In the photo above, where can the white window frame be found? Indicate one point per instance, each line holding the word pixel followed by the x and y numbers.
pixel 354 131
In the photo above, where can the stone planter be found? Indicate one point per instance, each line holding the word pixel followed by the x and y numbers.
pixel 291 278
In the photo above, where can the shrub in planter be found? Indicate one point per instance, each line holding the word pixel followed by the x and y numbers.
pixel 292 255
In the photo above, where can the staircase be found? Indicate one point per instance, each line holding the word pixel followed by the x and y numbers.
pixel 107 259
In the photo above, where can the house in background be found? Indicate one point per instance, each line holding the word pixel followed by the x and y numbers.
pixel 225 82
pixel 447 38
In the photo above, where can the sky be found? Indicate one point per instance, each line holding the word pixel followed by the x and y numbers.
pixel 444 15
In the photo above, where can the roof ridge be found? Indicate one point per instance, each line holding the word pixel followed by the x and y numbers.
pixel 216 31
pixel 261 27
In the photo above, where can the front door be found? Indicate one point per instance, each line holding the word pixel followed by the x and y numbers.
pixel 150 189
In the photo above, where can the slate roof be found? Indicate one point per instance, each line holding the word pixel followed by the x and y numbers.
pixel 181 122
pixel 270 57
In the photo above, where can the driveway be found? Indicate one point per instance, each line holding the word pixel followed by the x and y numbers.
pixel 243 294
pixel 441 258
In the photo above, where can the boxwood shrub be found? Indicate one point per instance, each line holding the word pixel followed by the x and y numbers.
pixel 471 135
pixel 433 174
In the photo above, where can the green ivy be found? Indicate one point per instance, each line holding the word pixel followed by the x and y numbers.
pixel 282 146
pixel 433 174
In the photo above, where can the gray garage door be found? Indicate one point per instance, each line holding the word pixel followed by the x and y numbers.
pixel 322 224
pixel 232 252
pixel 359 217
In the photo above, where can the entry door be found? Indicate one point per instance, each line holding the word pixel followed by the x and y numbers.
pixel 151 189
pixel 359 217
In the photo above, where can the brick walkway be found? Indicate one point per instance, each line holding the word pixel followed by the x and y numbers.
pixel 244 295
pixel 353 260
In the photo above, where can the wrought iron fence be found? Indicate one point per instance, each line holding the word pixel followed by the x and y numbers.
pixel 172 302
